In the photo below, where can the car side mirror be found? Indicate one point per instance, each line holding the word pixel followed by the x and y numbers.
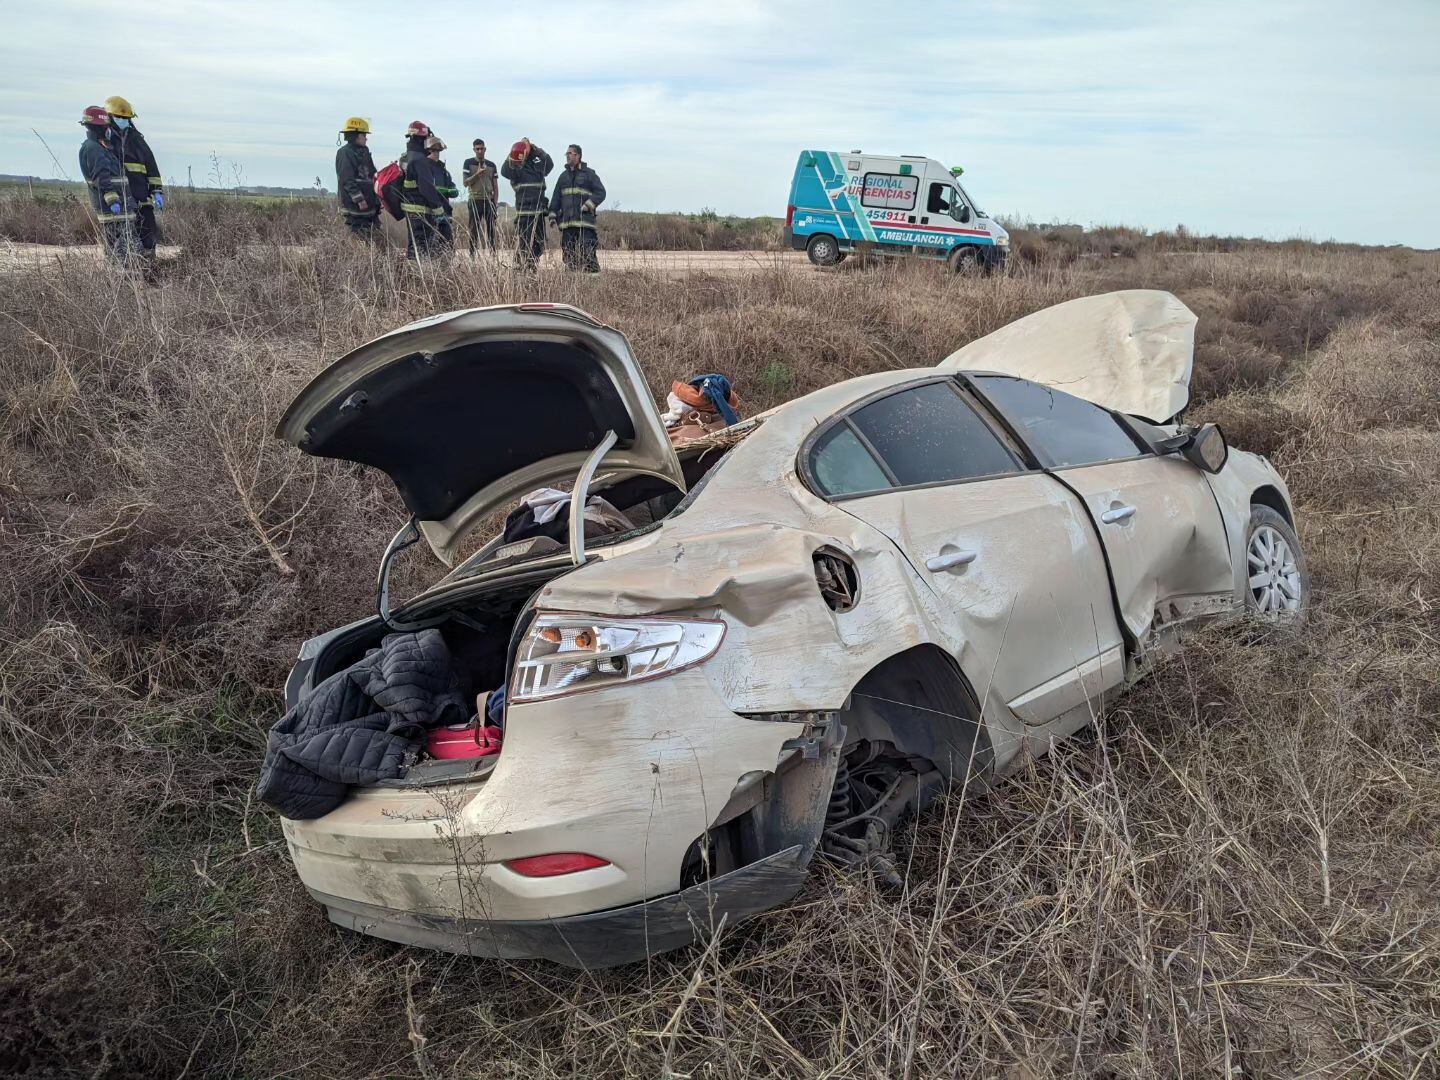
pixel 964 214
pixel 1207 449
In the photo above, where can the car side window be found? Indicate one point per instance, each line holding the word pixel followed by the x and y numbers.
pixel 843 466
pixel 1064 429
pixel 929 434
pixel 939 200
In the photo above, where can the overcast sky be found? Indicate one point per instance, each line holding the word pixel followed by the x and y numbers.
pixel 1255 117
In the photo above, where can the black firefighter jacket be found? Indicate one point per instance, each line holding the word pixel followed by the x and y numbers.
pixel 528 180
pixel 417 190
pixel 104 178
pixel 355 178
pixel 139 163
pixel 573 189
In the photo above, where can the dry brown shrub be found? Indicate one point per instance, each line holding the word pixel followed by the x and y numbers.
pixel 1236 870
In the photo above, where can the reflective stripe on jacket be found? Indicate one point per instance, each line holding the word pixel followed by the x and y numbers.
pixel 528 180
pixel 417 190
pixel 140 168
pixel 573 189
pixel 104 179
pixel 355 180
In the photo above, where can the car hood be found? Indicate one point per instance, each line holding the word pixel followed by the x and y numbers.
pixel 469 410
pixel 1130 351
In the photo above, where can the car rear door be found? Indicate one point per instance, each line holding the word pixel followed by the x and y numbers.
pixel 1162 530
pixel 1006 549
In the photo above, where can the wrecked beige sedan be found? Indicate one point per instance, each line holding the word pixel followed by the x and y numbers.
pixel 801 630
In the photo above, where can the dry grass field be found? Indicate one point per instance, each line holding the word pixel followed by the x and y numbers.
pixel 1236 874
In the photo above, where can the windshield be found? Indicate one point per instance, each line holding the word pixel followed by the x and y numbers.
pixel 973 204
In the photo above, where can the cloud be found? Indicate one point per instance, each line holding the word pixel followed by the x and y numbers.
pixel 1237 117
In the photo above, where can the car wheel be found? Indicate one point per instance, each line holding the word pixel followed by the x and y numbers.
pixel 824 250
pixel 964 259
pixel 1277 583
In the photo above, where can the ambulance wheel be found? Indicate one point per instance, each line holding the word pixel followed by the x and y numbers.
pixel 824 251
pixel 964 259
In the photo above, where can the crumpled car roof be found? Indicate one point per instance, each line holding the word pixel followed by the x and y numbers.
pixel 1131 351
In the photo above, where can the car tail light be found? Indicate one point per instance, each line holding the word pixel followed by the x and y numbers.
pixel 568 654
pixel 789 216
pixel 562 862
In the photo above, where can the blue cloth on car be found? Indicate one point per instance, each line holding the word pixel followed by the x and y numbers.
pixel 716 389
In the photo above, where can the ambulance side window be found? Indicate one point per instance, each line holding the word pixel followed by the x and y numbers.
pixel 889 191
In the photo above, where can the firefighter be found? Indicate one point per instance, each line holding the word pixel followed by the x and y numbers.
pixel 146 186
pixel 478 174
pixel 421 204
pixel 526 168
pixel 355 181
pixel 109 189
pixel 578 191
pixel 445 186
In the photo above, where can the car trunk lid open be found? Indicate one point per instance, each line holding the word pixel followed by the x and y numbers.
pixel 469 410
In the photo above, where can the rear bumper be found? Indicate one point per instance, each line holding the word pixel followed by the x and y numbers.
pixel 598 939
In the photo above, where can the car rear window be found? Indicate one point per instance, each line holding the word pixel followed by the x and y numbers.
pixel 929 434
pixel 1063 429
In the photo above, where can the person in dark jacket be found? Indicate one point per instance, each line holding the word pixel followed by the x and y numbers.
pixel 480 178
pixel 355 180
pixel 445 186
pixel 146 185
pixel 108 188
pixel 578 191
pixel 421 204
pixel 526 168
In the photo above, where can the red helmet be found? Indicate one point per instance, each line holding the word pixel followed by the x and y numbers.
pixel 418 129
pixel 520 151
pixel 95 116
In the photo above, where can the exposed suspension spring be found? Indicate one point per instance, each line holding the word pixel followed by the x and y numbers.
pixel 864 805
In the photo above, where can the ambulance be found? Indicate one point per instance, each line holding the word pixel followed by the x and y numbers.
pixel 888 205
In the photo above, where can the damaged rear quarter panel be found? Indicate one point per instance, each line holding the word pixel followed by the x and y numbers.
pixel 744 551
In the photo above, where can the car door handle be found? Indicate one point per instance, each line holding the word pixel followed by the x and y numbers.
pixel 1117 515
pixel 937 563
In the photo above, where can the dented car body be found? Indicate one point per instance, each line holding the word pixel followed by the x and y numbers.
pixel 822 617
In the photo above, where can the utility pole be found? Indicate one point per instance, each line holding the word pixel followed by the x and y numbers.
pixel 190 177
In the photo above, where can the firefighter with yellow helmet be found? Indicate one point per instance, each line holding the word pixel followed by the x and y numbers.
pixel 355 180
pixel 146 185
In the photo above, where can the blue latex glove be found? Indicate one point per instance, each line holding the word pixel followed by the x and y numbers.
pixel 116 208
pixel 159 200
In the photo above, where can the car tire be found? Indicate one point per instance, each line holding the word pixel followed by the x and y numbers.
pixel 964 259
pixel 1277 582
pixel 824 250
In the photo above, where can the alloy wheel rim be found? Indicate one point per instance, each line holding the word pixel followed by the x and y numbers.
pixel 1274 573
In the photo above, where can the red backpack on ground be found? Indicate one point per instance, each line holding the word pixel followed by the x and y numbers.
pixel 387 188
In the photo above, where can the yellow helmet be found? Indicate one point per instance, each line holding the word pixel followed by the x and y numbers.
pixel 356 123
pixel 116 105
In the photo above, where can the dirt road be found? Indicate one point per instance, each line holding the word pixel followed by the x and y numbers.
pixel 669 263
